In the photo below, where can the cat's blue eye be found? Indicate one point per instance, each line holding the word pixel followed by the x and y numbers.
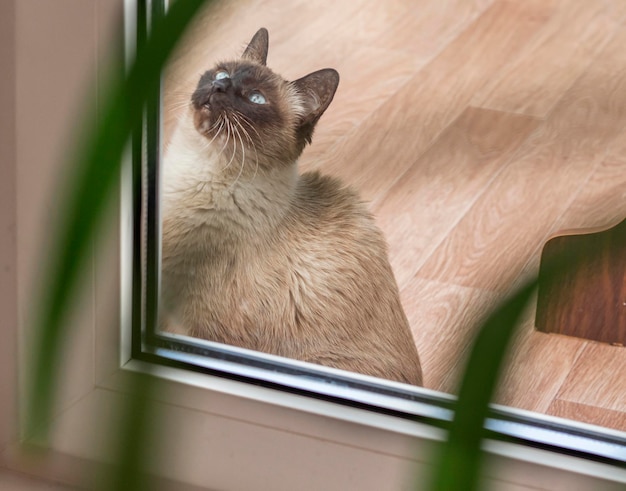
pixel 221 74
pixel 257 98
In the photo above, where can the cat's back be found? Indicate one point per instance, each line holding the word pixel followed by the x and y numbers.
pixel 331 238
pixel 329 229
pixel 341 283
pixel 326 207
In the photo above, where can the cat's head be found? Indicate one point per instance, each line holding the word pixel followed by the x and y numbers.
pixel 247 108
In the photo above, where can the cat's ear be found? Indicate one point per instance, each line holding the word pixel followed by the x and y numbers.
pixel 257 49
pixel 317 90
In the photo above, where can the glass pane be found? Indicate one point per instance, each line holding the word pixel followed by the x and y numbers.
pixel 473 132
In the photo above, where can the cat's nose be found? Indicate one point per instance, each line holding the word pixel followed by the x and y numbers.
pixel 221 85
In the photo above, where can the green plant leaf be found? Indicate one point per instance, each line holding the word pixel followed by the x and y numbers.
pixel 461 457
pixel 135 434
pixel 96 171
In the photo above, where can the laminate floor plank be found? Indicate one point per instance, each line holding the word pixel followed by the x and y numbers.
pixel 491 245
pixel 598 383
pixel 396 135
pixel 436 192
pixel 364 86
pixel 601 202
pixel 380 56
pixel 537 80
pixel 537 367
pixel 345 27
pixel 425 30
pixel 588 414
pixel 443 319
pixel 617 9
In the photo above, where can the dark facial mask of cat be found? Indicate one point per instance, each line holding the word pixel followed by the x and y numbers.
pixel 255 115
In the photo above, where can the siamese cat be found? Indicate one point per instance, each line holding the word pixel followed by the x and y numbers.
pixel 258 256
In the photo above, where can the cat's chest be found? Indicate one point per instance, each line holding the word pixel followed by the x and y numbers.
pixel 286 274
pixel 263 275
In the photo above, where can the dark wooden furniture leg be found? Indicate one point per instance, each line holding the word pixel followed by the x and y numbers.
pixel 587 296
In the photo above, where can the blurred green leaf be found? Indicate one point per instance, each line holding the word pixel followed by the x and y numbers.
pixel 134 437
pixel 460 461
pixel 96 171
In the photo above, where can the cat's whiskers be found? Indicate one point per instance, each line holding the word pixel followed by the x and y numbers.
pixel 225 124
pixel 178 105
pixel 243 151
pixel 251 126
pixel 217 127
pixel 238 117
pixel 186 88
pixel 229 127
pixel 177 99
pixel 200 188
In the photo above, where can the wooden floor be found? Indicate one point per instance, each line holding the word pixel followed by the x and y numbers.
pixel 476 129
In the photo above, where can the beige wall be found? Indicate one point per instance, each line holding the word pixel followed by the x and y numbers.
pixel 48 58
pixel 48 68
pixel 56 46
